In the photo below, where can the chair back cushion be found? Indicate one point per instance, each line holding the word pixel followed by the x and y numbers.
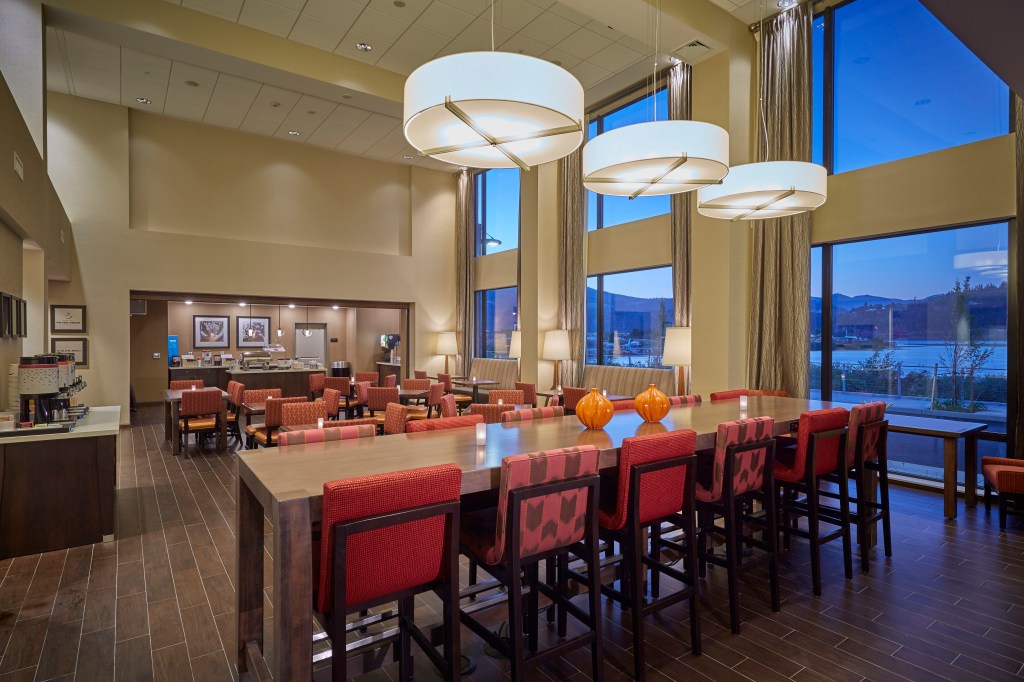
pixel 420 373
pixel 661 492
pixel 826 450
pixel 259 395
pixel 674 400
pixel 628 380
pixel 491 413
pixel 377 398
pixel 446 381
pixel 372 377
pixel 186 384
pixel 391 380
pixel 435 393
pixel 416 384
pixel 748 468
pixel 332 398
pixel 232 389
pixel 340 384
pixel 532 414
pixel 506 396
pixel 316 382
pixel 273 415
pixel 294 414
pixel 465 420
pixel 529 392
pixel 286 438
pixel 572 395
pixel 363 392
pixel 350 422
pixel 733 394
pixel 395 416
pixel 866 413
pixel 201 402
pixel 623 405
pixel 550 521
pixel 448 406
pixel 394 558
pixel 768 392
pixel 505 372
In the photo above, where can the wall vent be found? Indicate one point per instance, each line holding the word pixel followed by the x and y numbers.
pixel 138 306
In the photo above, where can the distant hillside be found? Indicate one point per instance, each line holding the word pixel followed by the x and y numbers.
pixel 627 312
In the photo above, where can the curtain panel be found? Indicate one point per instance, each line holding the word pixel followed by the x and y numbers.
pixel 572 259
pixel 464 286
pixel 680 109
pixel 780 279
pixel 1015 397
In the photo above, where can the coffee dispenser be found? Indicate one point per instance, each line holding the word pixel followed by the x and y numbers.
pixel 39 385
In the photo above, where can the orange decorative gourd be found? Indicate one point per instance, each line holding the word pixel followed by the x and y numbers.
pixel 652 405
pixel 594 410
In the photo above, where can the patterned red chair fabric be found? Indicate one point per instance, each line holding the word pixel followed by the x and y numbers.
pixel 769 392
pixel 734 394
pixel 433 403
pixel 464 421
pixel 199 412
pixel 391 380
pixel 826 455
pixel 1005 477
pixel 506 396
pixel 555 401
pixel 234 391
pixel 362 395
pixel 675 400
pixel 186 384
pixel 377 399
pixel 749 474
pixel 372 377
pixel 306 436
pixel 623 405
pixel 416 384
pixel 491 413
pixel 299 413
pixel 448 405
pixel 531 414
pixel 266 435
pixel 572 395
pixel 342 385
pixel 316 384
pixel 460 400
pixel 865 413
pixel 332 399
pixel 866 440
pixel 350 422
pixel 529 392
pixel 395 417
pixel 420 374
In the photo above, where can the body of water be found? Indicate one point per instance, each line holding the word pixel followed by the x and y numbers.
pixel 915 356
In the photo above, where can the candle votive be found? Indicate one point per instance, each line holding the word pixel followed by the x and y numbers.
pixel 501 401
pixel 474 378
pixel 319 422
pixel 559 388
pixel 193 387
pixel 743 414
pixel 743 402
pixel 481 434
pixel 604 392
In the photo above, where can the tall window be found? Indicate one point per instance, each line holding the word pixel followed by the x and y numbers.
pixel 497 210
pixel 890 82
pixel 497 312
pixel 919 321
pixel 606 211
pixel 627 313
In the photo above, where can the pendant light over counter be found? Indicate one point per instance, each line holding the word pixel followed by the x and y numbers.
pixel 493 110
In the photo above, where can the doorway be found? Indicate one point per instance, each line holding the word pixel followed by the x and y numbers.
pixel 314 346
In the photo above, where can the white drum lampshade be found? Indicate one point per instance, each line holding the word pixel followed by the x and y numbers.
pixel 770 189
pixel 656 158
pixel 493 110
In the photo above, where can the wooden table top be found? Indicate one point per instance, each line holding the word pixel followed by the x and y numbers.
pixel 412 393
pixel 610 396
pixel 255 408
pixel 174 396
pixel 928 426
pixel 474 382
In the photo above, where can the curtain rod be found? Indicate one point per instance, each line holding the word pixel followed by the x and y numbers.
pixel 756 26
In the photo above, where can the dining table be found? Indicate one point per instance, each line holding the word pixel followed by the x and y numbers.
pixel 611 396
pixel 172 406
pixel 474 384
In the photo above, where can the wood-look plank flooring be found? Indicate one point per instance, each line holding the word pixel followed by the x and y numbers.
pixel 158 602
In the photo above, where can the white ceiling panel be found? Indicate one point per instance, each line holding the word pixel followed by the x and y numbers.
pixel 305 117
pixel 368 133
pixel 92 53
pixel 615 57
pixel 374 24
pixel 225 9
pixel 232 98
pixel 342 121
pixel 338 12
pixel 423 41
pixel 478 34
pixel 523 45
pixel 348 48
pixel 563 59
pixel 444 19
pixel 317 33
pixel 56 76
pixel 588 74
pixel 100 92
pixel 515 14
pixel 389 146
pixel 110 79
pixel 189 91
pixel 549 29
pixel 268 16
pixel 572 15
pixel 584 43
pixel 269 110
pixel 407 12
pixel 402 60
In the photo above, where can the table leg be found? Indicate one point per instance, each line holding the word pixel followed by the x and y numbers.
pixel 476 394
pixel 293 591
pixel 167 420
pixel 222 436
pixel 248 571
pixel 175 436
pixel 949 477
pixel 971 470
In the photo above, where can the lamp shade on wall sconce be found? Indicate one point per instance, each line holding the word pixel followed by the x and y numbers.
pixel 556 348
pixel 678 352
pixel 447 345
pixel 515 345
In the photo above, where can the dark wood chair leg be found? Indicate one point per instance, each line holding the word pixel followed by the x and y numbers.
pixel 405 622
pixel 594 601
pixel 988 497
pixel 813 528
pixel 656 552
pixel 515 620
pixel 633 565
pixel 532 606
pixel 562 572
pixel 864 512
pixel 691 568
pixel 1003 502
pixel 771 522
pixel 732 550
pixel 883 490
pixel 844 517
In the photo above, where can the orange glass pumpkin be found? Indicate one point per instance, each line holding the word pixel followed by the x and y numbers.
pixel 594 410
pixel 652 405
pixel 650 429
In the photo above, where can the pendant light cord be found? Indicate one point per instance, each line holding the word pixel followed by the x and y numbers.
pixel 760 78
pixel 492 25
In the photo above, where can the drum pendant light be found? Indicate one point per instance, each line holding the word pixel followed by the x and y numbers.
pixel 658 157
pixel 493 110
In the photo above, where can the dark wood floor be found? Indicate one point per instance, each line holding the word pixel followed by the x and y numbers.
pixel 158 602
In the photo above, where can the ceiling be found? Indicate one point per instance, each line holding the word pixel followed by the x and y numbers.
pixel 749 11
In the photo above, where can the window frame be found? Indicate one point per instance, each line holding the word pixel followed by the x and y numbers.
pixel 479 179
pixel 599 315
pixel 479 328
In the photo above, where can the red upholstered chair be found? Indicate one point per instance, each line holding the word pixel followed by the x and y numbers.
pixel 391 381
pixel 332 399
pixel 300 413
pixel 820 450
pixel 652 485
pixel 529 392
pixel 350 422
pixel 866 454
pixel 734 394
pixel 675 400
pixel 199 414
pixel 395 418
pixel 256 395
pixel 507 397
pixel 341 384
pixel 623 405
pixel 266 435
pixel 419 374
pixel 372 377
pixel 377 398
pixel 570 396
pixel 388 538
pixel 769 392
pixel 1006 478
pixel 417 385
pixel 286 438
pixel 448 406
pixel 531 414
pixel 235 390
pixel 186 384
pixel 740 471
pixel 491 413
pixel 547 509
pixel 462 422
pixel 362 393
pixel 316 384
pixel 462 401
pixel 434 395
pixel 555 401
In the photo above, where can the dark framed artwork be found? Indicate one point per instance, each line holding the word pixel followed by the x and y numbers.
pixel 18 315
pixel 67 319
pixel 211 331
pixel 6 327
pixel 252 332
pixel 78 346
pixel 24 319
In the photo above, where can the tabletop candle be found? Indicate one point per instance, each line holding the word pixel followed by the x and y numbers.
pixel 474 378
pixel 500 401
pixel 319 422
pixel 604 392
pixel 481 434
pixel 743 402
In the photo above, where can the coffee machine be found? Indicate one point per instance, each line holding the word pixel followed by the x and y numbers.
pixel 47 384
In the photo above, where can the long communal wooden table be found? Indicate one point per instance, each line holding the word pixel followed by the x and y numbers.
pixel 172 403
pixel 286 485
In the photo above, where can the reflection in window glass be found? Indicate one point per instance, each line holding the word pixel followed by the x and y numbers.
pixel 497 313
pixel 905 85
pixel 818 90
pixel 608 211
pixel 815 375
pixel 627 314
pixel 497 210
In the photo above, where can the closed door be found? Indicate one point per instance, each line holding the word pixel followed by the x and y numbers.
pixel 313 346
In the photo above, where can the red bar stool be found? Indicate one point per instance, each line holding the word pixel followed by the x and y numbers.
pixel 389 538
pixel 867 458
pixel 821 437
pixel 547 509
pixel 741 472
pixel 654 484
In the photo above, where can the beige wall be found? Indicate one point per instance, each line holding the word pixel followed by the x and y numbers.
pixel 148 336
pixel 21 64
pixel 10 282
pixel 370 324
pixel 90 146
pixel 33 290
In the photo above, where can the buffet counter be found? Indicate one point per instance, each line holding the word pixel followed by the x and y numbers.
pixel 292 382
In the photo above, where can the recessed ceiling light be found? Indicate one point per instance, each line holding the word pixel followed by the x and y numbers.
pixel 275 104
pixel 294 132
pixel 188 302
pixel 786 4
pixel 674 60
pixel 311 112
pixel 192 84
pixel 364 47
pixel 399 3
pixel 291 305
pixel 408 157
pixel 143 100
pixel 346 96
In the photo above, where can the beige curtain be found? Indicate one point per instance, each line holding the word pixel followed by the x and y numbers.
pixel 572 271
pixel 464 252
pixel 780 280
pixel 1015 408
pixel 680 109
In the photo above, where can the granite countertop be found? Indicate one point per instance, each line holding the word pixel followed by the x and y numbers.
pixel 272 371
pixel 101 421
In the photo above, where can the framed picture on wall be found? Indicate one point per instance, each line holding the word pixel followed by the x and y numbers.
pixel 6 328
pixel 252 332
pixel 79 347
pixel 24 319
pixel 211 331
pixel 67 319
pixel 18 314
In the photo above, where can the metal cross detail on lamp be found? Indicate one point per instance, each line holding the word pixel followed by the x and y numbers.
pixel 678 352
pixel 556 349
pixel 446 346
